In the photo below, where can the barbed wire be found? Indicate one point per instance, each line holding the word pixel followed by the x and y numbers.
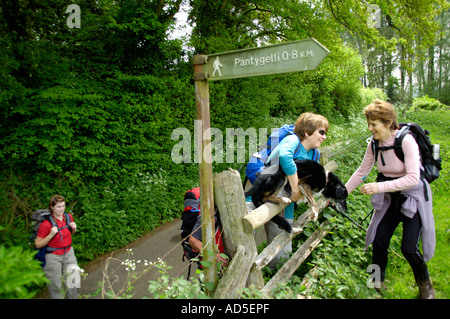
pixel 345 149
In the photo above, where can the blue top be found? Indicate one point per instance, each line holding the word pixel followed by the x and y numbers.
pixel 285 152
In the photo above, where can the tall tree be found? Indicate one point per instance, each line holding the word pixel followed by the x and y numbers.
pixel 234 24
pixel 414 26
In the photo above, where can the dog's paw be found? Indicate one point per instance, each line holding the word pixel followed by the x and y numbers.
pixel 286 200
pixel 297 230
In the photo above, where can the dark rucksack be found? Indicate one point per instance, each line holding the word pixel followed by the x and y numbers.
pixel 38 217
pixel 189 217
pixel 431 165
pixel 191 211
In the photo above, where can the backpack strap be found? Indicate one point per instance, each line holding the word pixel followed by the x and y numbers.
pixel 52 249
pixel 379 149
pixel 54 224
pixel 398 142
pixel 316 155
pixel 397 146
pixel 297 150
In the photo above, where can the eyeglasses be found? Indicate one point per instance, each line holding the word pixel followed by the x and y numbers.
pixel 322 132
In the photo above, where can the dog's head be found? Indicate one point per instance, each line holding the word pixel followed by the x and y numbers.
pixel 336 192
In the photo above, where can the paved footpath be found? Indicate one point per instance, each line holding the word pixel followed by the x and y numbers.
pixel 163 242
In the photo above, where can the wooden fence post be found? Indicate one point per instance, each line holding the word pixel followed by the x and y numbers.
pixel 230 200
pixel 205 168
pixel 232 283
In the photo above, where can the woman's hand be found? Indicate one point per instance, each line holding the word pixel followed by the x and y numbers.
pixel 369 189
pixel 293 182
pixel 53 231
pixel 73 226
pixel 296 195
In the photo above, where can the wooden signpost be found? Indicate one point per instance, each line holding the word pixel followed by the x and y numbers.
pixel 292 56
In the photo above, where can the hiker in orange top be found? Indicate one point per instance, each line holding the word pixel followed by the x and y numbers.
pixel 60 257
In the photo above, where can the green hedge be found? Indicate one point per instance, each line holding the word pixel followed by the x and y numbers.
pixel 426 103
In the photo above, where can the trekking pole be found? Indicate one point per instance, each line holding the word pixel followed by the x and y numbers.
pixel 332 206
pixel 369 214
pixel 353 221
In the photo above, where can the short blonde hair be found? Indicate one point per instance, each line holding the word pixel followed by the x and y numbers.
pixel 308 123
pixel 383 111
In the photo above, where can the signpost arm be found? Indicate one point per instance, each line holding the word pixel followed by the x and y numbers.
pixel 205 171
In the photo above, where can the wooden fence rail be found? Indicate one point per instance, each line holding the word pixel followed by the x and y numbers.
pixel 238 226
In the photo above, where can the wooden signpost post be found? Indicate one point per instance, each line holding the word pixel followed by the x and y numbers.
pixel 292 56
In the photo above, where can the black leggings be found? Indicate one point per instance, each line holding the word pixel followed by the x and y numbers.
pixel 412 230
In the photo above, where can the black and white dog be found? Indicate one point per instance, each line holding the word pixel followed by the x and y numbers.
pixel 272 186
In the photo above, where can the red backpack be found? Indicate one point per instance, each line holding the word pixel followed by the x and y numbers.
pixel 191 212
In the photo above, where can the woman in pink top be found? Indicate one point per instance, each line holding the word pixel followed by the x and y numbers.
pixel 398 196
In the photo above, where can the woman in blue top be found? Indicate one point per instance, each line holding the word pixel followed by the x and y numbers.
pixel 309 133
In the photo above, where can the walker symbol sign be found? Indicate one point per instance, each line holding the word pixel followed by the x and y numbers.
pixel 292 56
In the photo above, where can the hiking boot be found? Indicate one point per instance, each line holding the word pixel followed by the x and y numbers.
pixel 426 290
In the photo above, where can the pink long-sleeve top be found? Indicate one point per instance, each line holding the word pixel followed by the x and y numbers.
pixel 407 174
